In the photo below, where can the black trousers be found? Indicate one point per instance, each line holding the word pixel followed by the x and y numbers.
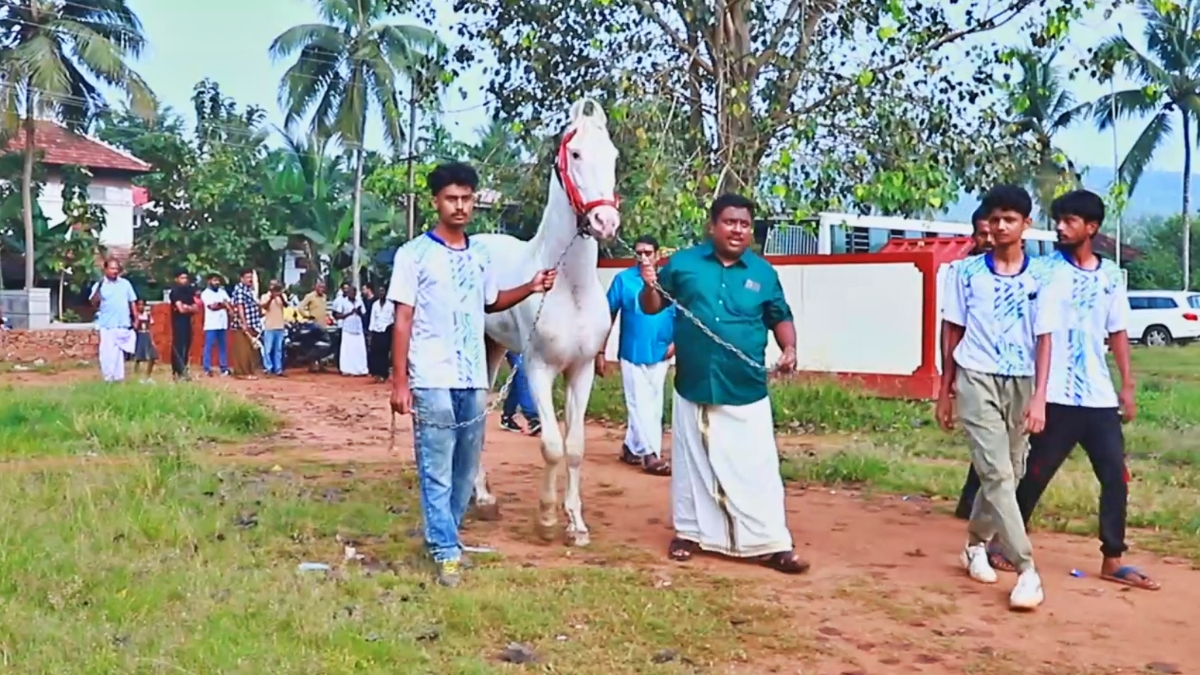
pixel 1098 431
pixel 379 354
pixel 181 347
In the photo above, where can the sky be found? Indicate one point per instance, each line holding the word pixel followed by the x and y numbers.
pixel 227 41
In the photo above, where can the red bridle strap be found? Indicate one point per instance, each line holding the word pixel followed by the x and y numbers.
pixel 581 207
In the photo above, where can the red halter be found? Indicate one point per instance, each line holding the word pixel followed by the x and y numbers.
pixel 580 207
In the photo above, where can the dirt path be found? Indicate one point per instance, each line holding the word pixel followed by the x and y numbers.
pixel 885 593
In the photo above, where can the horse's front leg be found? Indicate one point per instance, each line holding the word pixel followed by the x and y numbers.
pixel 541 385
pixel 579 390
pixel 486 505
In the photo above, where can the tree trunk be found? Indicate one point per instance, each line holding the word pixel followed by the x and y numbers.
pixel 27 187
pixel 1187 201
pixel 356 255
pixel 412 145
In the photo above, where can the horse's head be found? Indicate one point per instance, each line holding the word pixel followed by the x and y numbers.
pixel 587 168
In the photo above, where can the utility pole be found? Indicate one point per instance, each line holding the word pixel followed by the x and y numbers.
pixel 412 149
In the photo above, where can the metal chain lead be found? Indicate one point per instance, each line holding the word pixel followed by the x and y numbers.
pixel 703 329
pixel 512 373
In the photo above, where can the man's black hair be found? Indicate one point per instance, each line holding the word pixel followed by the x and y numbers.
pixel 729 200
pixel 244 271
pixel 647 239
pixel 1008 198
pixel 179 271
pixel 215 275
pixel 452 173
pixel 1085 204
pixel 369 285
pixel 980 214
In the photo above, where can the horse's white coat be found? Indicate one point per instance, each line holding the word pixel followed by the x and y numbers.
pixel 574 322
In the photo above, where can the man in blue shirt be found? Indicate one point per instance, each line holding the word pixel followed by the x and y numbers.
pixel 113 296
pixel 645 350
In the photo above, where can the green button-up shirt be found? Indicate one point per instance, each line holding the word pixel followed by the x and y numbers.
pixel 739 303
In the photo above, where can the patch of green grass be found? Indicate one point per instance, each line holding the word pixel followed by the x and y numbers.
pixel 810 406
pixel 162 566
pixel 104 418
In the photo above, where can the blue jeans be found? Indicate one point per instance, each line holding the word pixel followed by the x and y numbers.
pixel 447 460
pixel 518 393
pixel 272 342
pixel 215 338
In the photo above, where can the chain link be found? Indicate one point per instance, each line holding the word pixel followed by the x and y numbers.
pixel 512 373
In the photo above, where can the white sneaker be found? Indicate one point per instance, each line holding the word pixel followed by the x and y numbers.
pixel 1027 594
pixel 975 560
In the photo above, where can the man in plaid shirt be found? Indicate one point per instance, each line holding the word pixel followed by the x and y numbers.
pixel 247 326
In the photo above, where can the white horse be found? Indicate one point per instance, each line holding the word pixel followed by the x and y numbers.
pixel 571 327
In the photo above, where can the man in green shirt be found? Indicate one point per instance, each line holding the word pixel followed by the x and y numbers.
pixel 726 492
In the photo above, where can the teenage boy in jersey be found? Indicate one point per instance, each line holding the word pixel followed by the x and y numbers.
pixel 1083 408
pixel 1002 311
pixel 442 286
pixel 982 238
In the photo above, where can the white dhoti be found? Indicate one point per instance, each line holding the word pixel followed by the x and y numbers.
pixel 352 359
pixel 643 385
pixel 115 343
pixel 726 491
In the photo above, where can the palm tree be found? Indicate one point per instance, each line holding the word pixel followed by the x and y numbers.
pixel 1042 107
pixel 1168 77
pixel 56 56
pixel 344 66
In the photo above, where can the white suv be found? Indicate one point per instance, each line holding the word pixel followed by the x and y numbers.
pixel 1158 318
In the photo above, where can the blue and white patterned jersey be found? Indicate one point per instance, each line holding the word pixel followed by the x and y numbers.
pixel 1098 306
pixel 1003 314
pixel 447 289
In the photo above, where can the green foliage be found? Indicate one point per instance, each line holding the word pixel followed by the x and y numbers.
pixel 1166 86
pixel 209 211
pixel 795 91
pixel 54 59
pixel 1160 265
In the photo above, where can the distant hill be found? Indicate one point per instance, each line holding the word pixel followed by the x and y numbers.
pixel 1158 193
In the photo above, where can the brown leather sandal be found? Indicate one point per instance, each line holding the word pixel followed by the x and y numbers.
pixel 787 562
pixel 656 466
pixel 681 550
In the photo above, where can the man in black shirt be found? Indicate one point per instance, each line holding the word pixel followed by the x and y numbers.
pixel 183 306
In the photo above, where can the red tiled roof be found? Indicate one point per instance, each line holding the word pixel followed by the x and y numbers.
pixel 62 147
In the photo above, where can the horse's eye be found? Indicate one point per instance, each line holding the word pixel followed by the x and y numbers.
pixel 575 155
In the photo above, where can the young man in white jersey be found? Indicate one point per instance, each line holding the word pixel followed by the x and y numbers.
pixel 1083 408
pixel 981 237
pixel 442 286
pixel 1002 310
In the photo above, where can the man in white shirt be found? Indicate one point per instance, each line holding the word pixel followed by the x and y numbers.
pixel 442 286
pixel 379 347
pixel 1083 408
pixel 1002 310
pixel 113 296
pixel 216 324
pixel 352 354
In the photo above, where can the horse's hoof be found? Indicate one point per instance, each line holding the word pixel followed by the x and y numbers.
pixel 547 533
pixel 578 539
pixel 488 512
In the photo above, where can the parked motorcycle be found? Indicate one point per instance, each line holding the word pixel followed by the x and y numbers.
pixel 306 344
